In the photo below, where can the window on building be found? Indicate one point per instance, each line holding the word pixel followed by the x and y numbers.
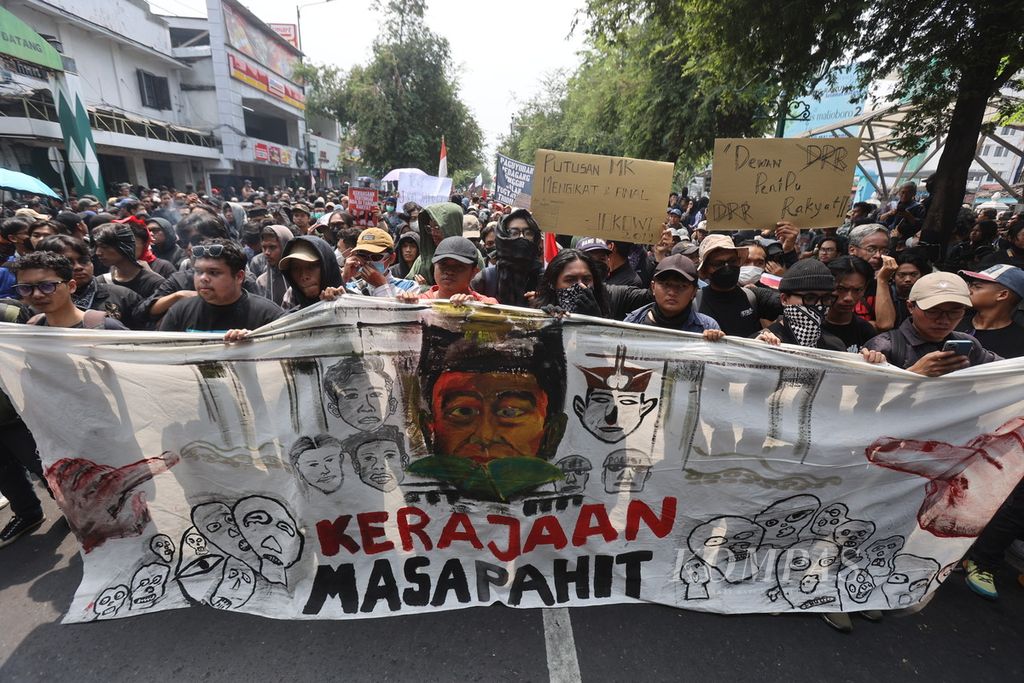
pixel 985 150
pixel 154 90
pixel 1000 152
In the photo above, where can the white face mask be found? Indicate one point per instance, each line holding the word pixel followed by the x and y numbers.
pixel 750 274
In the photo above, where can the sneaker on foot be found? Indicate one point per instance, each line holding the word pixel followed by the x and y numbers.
pixel 4 502
pixel 871 614
pixel 840 621
pixel 18 526
pixel 981 581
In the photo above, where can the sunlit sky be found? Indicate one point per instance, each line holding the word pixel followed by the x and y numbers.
pixel 501 50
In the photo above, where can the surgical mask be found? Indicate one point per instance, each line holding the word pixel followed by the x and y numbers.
pixel 379 266
pixel 726 277
pixel 805 322
pixel 750 274
pixel 389 208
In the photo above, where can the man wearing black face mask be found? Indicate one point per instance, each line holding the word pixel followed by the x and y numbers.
pixel 738 310
pixel 519 266
pixel 807 293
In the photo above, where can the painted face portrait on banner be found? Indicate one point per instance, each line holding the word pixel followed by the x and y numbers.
pixel 272 532
pixel 616 402
pixel 492 403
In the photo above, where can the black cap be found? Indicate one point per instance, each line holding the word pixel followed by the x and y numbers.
pixel 458 248
pixel 678 264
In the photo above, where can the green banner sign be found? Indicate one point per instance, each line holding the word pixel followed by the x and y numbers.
pixel 18 40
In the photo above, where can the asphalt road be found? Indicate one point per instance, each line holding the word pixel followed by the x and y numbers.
pixel 957 637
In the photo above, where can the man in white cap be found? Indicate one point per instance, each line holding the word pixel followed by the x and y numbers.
pixel 738 310
pixel 937 303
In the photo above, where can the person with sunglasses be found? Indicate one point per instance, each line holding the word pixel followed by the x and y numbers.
pixel 221 303
pixel 367 269
pixel 937 304
pixel 46 283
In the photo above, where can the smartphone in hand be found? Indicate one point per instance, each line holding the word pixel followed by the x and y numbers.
pixel 960 347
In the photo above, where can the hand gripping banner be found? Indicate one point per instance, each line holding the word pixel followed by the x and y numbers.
pixel 365 459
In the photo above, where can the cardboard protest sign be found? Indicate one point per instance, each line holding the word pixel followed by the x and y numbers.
pixel 362 205
pixel 423 189
pixel 513 182
pixel 756 183
pixel 356 459
pixel 615 198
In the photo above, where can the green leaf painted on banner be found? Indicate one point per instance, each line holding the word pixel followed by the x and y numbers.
pixel 498 480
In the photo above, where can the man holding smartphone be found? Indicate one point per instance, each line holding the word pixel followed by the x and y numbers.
pixel 368 268
pixel 926 342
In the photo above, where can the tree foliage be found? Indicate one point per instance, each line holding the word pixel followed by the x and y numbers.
pixel 396 107
pixel 634 96
pixel 949 57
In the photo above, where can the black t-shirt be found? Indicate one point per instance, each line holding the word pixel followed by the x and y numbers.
pixel 143 284
pixel 732 311
pixel 854 333
pixel 108 323
pixel 1007 342
pixel 195 315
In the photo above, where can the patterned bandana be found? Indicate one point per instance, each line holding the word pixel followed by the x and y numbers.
pixel 83 298
pixel 805 323
pixel 569 298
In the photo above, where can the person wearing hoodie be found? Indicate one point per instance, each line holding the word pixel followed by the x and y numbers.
pixel 408 249
pixel 272 283
pixel 437 222
pixel 309 267
pixel 519 264
pixel 234 218
pixel 165 241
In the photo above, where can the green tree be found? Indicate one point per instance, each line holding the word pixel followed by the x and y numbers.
pixel 633 95
pixel 949 57
pixel 399 105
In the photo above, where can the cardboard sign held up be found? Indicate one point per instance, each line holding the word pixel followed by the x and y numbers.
pixel 614 198
pixel 756 183
pixel 362 205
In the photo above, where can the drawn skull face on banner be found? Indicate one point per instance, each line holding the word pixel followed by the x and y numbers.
pixel 236 586
pixel 729 545
pixel 110 601
pixel 877 556
pixel 806 573
pixel 909 580
pixel 148 585
pixel 162 546
pixel 271 531
pixel 784 519
pixel 216 523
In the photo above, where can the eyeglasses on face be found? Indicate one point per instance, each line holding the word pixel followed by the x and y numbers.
pixel 936 314
pixel 812 299
pixel 212 250
pixel 875 250
pixel 516 233
pixel 25 290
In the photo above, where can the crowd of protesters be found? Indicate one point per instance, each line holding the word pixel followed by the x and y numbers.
pixel 239 258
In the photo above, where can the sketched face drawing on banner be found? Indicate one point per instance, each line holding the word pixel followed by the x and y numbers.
pixel 615 403
pixel 909 580
pixel 359 391
pixel 162 546
pixel 576 472
pixel 148 585
pixel 784 519
pixel 272 532
pixel 379 458
pixel 806 574
pixel 110 601
pixel 729 544
pixel 236 585
pixel 317 460
pixel 217 524
pixel 626 470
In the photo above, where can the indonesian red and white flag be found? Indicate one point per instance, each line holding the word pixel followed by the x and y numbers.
pixel 442 166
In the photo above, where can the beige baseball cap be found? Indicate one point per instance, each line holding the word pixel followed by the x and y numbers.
pixel 716 242
pixel 940 288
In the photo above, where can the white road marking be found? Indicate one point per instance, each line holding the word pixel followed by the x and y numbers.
pixel 563 666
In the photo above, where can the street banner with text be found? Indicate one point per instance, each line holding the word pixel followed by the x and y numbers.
pixel 364 458
pixel 614 198
pixel 755 183
pixel 423 189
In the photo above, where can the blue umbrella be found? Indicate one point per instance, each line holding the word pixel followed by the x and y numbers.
pixel 19 182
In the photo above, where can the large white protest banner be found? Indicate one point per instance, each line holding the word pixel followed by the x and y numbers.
pixel 367 459
pixel 423 189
